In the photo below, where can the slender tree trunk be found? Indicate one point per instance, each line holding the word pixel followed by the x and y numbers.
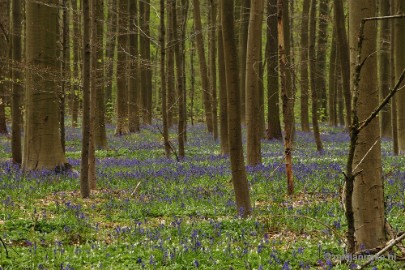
pixel 252 83
pixel 304 67
pixel 122 127
pixel 212 64
pixel 239 178
pixel 203 66
pixel 171 91
pixel 109 59
pixel 286 90
pixel 75 100
pixel 42 143
pixel 399 60
pixel 5 44
pixel 192 81
pixel 394 114
pixel 321 50
pixel 180 86
pixel 384 68
pixel 223 98
pixel 100 133
pixel 368 195
pixel 332 83
pixel 243 40
pixel 86 130
pixel 273 95
pixel 133 89
pixel 313 73
pixel 17 83
pixel 343 51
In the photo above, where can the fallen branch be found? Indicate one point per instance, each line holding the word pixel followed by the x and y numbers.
pixel 5 247
pixel 388 246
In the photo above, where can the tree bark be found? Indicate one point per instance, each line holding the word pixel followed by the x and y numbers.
pixel 313 67
pixel 252 83
pixel 42 143
pixel 243 40
pixel 203 66
pixel 273 95
pixel 5 44
pixel 304 67
pixel 76 89
pixel 212 65
pixel 399 60
pixel 368 195
pixel 239 178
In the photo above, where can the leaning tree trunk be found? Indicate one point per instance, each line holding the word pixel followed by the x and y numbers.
pixel 239 179
pixel 252 83
pixel 42 144
pixel 368 194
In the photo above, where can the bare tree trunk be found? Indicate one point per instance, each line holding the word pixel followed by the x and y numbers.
pixel 75 100
pixel 5 44
pixel 394 120
pixel 243 39
pixel 343 51
pixel 203 66
pixel 42 143
pixel 332 83
pixel 239 178
pixel 384 68
pixel 252 83
pixel 304 67
pixel 273 95
pixel 223 98
pixel 212 64
pixel 313 73
pixel 17 83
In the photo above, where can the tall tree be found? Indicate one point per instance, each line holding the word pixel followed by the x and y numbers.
pixel 203 66
pixel 394 122
pixel 313 67
pixel 42 143
pixel 84 169
pixel 223 98
pixel 239 178
pixel 100 134
pixel 287 94
pixel 252 83
pixel 332 85
pixel 399 32
pixel 243 39
pixel 170 78
pixel 368 195
pixel 75 100
pixel 180 86
pixel 5 44
pixel 133 81
pixel 17 83
pixel 122 127
pixel 343 52
pixel 273 92
pixel 304 67
pixel 212 64
pixel 384 67
pixel 321 50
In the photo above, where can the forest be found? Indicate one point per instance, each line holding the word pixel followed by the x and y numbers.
pixel 185 134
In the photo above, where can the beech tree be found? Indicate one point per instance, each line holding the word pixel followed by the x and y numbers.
pixel 42 143
pixel 5 44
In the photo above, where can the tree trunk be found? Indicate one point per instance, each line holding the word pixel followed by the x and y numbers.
pixel 75 96
pixel 343 51
pixel 203 66
pixel 332 112
pixel 100 133
pixel 399 58
pixel 180 86
pixel 243 39
pixel 394 114
pixel 273 95
pixel 212 64
pixel 384 68
pixel 42 144
pixel 368 195
pixel 5 44
pixel 122 127
pixel 223 99
pixel 17 83
pixel 321 49
pixel 171 91
pixel 239 178
pixel 313 75
pixel 304 67
pixel 133 84
pixel 252 83
pixel 86 130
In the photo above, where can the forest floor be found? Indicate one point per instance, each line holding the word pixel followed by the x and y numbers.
pixel 150 212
